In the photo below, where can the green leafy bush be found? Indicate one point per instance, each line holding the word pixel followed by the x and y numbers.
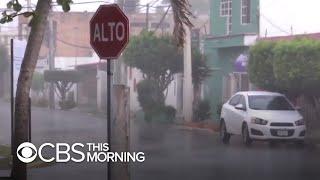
pixel 261 65
pixel 149 95
pixel 162 114
pixel 152 101
pixel 293 68
pixel 202 111
pixel 170 112
pixel 290 67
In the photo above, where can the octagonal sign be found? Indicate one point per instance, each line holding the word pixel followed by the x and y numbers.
pixel 109 31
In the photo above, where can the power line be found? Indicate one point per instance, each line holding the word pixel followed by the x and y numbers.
pixel 150 3
pixel 86 2
pixel 162 19
pixel 273 24
pixel 153 3
pixel 140 6
pixel 71 44
pixel 56 4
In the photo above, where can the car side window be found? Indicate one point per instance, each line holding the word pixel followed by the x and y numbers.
pixel 235 100
pixel 243 101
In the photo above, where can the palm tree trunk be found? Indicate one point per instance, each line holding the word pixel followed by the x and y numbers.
pixel 22 115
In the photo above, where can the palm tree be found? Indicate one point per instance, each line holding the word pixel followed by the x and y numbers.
pixel 181 14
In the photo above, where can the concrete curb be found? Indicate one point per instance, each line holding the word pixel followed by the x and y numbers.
pixel 180 127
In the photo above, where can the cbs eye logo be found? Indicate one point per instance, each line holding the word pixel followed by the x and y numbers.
pixel 27 152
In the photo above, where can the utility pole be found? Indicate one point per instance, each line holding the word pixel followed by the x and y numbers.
pixel 119 127
pixel 187 79
pixel 119 68
pixel 120 130
pixel 51 58
pixel 147 17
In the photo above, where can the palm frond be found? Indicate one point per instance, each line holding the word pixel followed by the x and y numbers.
pixel 181 15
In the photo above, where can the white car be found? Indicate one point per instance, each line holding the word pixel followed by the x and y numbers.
pixel 259 115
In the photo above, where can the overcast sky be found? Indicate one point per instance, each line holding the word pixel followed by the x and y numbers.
pixel 277 16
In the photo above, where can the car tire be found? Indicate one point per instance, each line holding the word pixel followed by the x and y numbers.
pixel 246 135
pixel 224 135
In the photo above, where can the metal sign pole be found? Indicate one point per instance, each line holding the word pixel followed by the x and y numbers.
pixel 109 50
pixel 109 73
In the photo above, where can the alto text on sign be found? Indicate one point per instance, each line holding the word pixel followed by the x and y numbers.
pixel 109 31
pixel 116 32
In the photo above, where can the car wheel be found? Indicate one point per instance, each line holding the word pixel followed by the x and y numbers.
pixel 245 135
pixel 224 135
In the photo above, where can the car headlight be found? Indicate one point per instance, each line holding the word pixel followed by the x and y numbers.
pixel 259 121
pixel 299 122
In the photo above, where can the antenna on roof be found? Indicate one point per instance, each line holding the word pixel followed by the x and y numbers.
pixel 266 33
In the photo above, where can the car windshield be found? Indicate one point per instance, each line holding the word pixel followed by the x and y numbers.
pixel 268 102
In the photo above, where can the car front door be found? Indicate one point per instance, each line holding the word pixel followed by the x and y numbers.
pixel 230 114
pixel 239 115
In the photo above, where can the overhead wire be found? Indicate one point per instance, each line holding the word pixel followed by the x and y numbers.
pixel 153 3
pixel 162 19
pixel 72 44
pixel 273 24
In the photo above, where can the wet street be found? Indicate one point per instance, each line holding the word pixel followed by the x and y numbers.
pixel 172 153
pixel 183 154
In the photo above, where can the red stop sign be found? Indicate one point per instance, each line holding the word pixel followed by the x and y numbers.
pixel 109 31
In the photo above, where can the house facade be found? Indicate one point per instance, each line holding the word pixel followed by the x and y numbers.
pixel 234 28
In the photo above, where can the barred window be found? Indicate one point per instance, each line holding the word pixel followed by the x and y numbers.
pixel 225 8
pixel 245 11
pixel 226 11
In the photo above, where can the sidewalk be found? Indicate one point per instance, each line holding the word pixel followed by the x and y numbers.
pixel 209 126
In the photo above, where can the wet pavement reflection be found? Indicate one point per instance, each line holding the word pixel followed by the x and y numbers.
pixel 172 153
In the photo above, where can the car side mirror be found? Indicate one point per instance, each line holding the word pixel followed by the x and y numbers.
pixel 298 108
pixel 240 107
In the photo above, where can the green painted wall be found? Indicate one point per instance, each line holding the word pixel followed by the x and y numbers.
pixel 218 23
pixel 225 42
pixel 223 60
pixel 237 27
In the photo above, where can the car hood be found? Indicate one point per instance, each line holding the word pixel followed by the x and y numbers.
pixel 277 116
